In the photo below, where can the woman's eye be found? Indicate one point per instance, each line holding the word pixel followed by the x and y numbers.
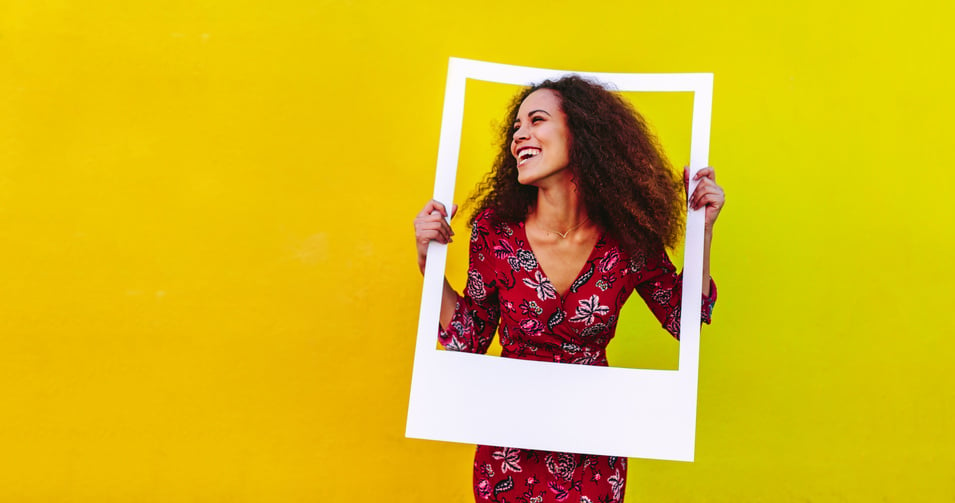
pixel 537 119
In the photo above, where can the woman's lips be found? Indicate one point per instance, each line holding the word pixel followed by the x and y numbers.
pixel 527 153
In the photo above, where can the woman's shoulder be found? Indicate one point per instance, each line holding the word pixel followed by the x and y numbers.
pixel 488 218
pixel 484 216
pixel 489 222
pixel 646 257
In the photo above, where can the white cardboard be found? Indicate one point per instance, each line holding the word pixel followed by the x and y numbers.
pixel 480 399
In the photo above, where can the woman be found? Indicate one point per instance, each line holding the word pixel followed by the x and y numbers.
pixel 575 216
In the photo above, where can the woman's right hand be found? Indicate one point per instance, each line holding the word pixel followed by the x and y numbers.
pixel 431 224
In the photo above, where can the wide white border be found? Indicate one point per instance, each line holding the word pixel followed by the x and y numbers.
pixel 481 399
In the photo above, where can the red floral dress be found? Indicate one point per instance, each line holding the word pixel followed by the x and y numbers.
pixel 506 287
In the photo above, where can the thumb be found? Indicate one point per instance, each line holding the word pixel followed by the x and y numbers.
pixel 454 209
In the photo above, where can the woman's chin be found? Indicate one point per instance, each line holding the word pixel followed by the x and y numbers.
pixel 539 179
pixel 522 177
pixel 528 176
pixel 526 179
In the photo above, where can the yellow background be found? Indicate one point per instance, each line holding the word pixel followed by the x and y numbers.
pixel 207 279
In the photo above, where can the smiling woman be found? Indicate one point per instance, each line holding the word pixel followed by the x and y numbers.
pixel 574 217
pixel 541 140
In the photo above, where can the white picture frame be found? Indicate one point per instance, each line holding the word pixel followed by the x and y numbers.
pixel 553 406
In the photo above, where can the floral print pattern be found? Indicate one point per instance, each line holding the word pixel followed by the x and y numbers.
pixel 508 292
pixel 510 459
pixel 588 310
pixel 545 290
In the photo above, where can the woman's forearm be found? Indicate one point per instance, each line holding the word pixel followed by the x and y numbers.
pixel 707 240
pixel 449 298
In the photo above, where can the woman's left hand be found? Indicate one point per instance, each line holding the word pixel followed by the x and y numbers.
pixel 707 194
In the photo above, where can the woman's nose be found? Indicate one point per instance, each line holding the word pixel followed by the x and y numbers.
pixel 520 134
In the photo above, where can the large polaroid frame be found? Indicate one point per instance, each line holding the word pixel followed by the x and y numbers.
pixel 481 399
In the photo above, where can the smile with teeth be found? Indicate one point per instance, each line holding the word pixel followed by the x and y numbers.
pixel 526 154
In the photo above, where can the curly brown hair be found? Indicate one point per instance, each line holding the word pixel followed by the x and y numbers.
pixel 626 183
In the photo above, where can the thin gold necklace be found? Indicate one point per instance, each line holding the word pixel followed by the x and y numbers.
pixel 563 235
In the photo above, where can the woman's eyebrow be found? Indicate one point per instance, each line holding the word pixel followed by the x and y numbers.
pixel 532 112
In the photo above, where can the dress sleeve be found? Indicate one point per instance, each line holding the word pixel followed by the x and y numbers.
pixel 661 287
pixel 477 313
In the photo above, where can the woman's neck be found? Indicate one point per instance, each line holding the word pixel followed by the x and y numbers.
pixel 559 209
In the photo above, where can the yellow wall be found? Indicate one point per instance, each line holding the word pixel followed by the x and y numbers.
pixel 207 280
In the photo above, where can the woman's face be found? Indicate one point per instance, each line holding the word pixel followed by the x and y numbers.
pixel 541 141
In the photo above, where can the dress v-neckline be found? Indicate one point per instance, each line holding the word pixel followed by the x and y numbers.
pixel 562 296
